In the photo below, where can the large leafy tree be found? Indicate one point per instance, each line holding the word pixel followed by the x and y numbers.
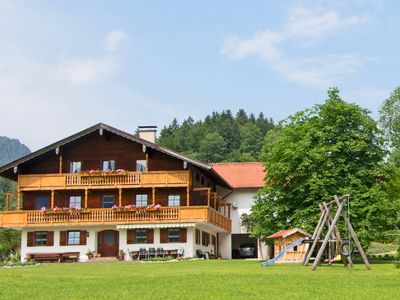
pixel 331 149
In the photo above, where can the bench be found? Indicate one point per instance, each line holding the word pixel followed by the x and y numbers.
pixel 70 256
pixel 44 257
pixel 53 257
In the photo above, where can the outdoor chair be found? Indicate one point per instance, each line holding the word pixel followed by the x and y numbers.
pixel 152 252
pixel 181 252
pixel 199 254
pixel 142 253
pixel 160 252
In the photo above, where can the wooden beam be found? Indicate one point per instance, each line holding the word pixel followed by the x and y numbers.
pixel 7 201
pixel 316 235
pixel 120 197
pixel 60 165
pixel 187 196
pixel 208 196
pixel 86 197
pixel 52 199
pixel 147 162
pixel 153 195
pixel 18 200
pixel 330 230
pixel 355 238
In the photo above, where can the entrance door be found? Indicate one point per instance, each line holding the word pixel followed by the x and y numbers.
pixel 108 243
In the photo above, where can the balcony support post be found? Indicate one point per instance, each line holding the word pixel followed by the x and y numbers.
pixel 187 196
pixel 7 201
pixel 147 162
pixel 60 165
pixel 52 199
pixel 19 200
pixel 153 196
pixel 120 197
pixel 224 208
pixel 86 197
pixel 208 197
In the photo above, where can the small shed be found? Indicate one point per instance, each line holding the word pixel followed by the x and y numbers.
pixel 285 238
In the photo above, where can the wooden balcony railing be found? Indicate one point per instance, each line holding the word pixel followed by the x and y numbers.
pixel 128 179
pixel 114 216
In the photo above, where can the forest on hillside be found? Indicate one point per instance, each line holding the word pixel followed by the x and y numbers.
pixel 221 136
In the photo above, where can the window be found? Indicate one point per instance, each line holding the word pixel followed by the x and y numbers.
pixel 213 240
pixel 205 238
pixel 198 239
pixel 74 237
pixel 295 248
pixel 141 165
pixel 174 200
pixel 41 238
pixel 173 235
pixel 41 201
pixel 140 236
pixel 75 202
pixel 108 201
pixel 109 165
pixel 141 200
pixel 75 167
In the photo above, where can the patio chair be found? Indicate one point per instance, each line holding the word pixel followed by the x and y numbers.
pixel 160 252
pixel 181 252
pixel 199 254
pixel 142 253
pixel 152 252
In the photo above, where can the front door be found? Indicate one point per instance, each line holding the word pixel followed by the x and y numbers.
pixel 108 243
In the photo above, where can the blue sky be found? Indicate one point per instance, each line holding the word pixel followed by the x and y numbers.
pixel 66 65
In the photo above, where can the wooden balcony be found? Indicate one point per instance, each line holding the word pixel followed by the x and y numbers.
pixel 182 214
pixel 101 181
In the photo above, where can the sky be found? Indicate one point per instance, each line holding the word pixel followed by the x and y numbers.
pixel 67 65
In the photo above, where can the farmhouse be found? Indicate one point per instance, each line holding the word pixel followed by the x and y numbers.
pixel 106 190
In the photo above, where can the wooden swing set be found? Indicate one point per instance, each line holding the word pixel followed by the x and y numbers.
pixel 333 237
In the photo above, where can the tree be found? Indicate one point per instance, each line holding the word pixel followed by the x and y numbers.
pixel 212 148
pixel 333 148
pixel 390 117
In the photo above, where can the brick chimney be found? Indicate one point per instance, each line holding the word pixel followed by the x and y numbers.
pixel 148 133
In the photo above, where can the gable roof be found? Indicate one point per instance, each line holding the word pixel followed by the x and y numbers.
pixel 287 232
pixel 7 170
pixel 242 174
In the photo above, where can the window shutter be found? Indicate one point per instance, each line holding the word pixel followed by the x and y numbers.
pixel 63 238
pixel 130 236
pixel 82 238
pixel 182 235
pixel 150 236
pixel 163 235
pixel 50 238
pixel 30 239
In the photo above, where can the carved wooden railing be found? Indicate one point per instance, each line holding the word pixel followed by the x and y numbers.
pixel 62 181
pixel 115 216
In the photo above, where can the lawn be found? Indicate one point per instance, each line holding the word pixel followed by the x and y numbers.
pixel 213 279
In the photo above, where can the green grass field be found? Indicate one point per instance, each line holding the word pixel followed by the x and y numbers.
pixel 214 279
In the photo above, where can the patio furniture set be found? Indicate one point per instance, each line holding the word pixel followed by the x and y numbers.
pixel 152 252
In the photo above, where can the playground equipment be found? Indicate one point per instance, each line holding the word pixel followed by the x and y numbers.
pixel 273 260
pixel 333 235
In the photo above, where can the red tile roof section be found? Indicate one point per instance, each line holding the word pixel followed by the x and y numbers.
pixel 242 175
pixel 288 232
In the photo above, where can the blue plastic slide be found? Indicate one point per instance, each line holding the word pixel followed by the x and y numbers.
pixel 271 261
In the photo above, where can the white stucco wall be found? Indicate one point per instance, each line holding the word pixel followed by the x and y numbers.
pixel 189 247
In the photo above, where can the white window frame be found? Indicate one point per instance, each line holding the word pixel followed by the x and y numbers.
pixel 174 200
pixel 43 240
pixel 75 167
pixel 108 165
pixel 73 201
pixel 174 238
pixel 73 237
pixel 141 200
pixel 141 165
pixel 141 239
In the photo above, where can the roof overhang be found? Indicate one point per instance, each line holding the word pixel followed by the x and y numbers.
pixel 156 225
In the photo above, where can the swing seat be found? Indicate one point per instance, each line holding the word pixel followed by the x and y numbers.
pixel 335 259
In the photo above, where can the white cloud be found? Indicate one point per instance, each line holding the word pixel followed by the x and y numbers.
pixel 368 96
pixel 303 27
pixel 114 39
pixel 83 71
